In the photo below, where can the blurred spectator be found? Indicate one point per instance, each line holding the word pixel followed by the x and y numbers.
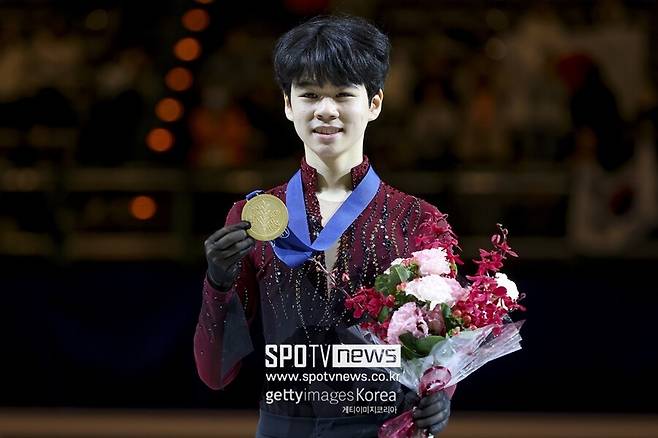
pixel 130 68
pixel 534 100
pixel 125 85
pixel 482 139
pixel 433 128
pixel 14 53
pixel 221 133
pixel 401 77
pixel 14 86
pixel 594 112
pixel 613 205
pixel 610 12
pixel 229 67
pixel 57 55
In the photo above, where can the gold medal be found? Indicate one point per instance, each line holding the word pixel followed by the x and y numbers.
pixel 268 216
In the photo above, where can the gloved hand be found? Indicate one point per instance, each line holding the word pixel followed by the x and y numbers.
pixel 432 412
pixel 224 249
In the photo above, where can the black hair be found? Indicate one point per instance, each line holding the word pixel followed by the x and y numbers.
pixel 341 50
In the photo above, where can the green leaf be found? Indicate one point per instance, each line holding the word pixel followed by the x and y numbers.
pixel 407 354
pixel 420 347
pixel 407 341
pixel 406 337
pixel 383 314
pixel 381 283
pixel 424 345
pixel 410 342
pixel 402 299
pixel 385 284
pixel 446 311
pixel 399 274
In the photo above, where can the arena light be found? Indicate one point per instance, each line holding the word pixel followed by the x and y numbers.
pixel 187 49
pixel 160 140
pixel 169 109
pixel 195 20
pixel 179 79
pixel 143 207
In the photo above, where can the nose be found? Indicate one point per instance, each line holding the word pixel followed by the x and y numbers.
pixel 326 109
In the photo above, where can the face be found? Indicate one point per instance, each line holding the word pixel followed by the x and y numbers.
pixel 331 120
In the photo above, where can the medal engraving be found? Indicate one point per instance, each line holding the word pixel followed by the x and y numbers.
pixel 268 216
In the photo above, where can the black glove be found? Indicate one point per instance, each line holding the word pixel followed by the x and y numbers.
pixel 409 399
pixel 432 412
pixel 224 249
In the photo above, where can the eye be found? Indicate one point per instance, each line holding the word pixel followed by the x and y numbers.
pixel 310 95
pixel 345 94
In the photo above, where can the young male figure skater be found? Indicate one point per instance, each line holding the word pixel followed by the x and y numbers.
pixel 331 71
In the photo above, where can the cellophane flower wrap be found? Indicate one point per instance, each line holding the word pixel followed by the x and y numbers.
pixel 446 329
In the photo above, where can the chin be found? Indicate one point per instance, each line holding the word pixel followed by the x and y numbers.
pixel 327 150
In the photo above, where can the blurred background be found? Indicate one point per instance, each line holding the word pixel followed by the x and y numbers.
pixel 127 130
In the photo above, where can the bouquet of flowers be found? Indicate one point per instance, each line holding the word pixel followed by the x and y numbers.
pixel 445 330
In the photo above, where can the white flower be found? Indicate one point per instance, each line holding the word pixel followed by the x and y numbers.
pixel 502 280
pixel 435 289
pixel 397 261
pixel 432 261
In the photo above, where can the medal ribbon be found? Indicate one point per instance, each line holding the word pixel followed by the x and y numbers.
pixel 294 246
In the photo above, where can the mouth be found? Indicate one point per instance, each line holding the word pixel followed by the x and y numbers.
pixel 327 131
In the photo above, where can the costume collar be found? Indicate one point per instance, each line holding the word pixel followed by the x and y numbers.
pixel 310 174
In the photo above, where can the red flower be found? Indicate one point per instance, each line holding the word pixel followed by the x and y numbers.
pixel 357 303
pixel 483 304
pixel 500 292
pixel 368 301
pixel 435 232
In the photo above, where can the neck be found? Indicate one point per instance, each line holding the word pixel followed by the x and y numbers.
pixel 334 173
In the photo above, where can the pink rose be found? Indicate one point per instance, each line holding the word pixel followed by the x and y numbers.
pixel 407 318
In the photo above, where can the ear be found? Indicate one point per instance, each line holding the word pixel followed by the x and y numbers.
pixel 287 107
pixel 376 105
